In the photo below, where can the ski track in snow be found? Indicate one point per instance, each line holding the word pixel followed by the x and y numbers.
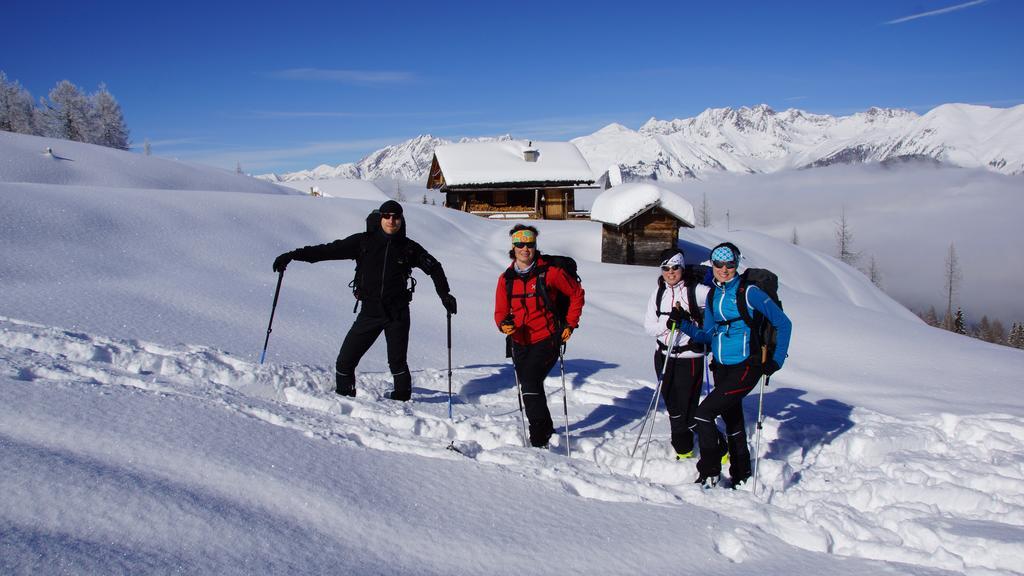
pixel 921 490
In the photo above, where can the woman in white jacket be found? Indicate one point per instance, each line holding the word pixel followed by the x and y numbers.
pixel 684 373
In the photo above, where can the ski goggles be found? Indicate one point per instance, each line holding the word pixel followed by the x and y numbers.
pixel 525 244
pixel 720 264
pixel 670 268
pixel 390 216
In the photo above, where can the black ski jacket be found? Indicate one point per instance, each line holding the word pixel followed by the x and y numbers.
pixel 384 263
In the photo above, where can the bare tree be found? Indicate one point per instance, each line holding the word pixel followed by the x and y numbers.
pixel 874 273
pixel 844 240
pixel 952 276
pixel 931 317
pixel 997 332
pixel 704 216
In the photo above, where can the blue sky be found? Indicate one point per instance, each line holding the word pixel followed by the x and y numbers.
pixel 280 88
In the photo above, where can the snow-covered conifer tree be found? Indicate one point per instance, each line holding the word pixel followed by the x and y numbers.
pixel 959 325
pixel 107 127
pixel 66 114
pixel 17 112
pixel 1016 338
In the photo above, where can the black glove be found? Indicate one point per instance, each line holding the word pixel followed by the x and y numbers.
pixel 508 325
pixel 676 317
pixel 771 368
pixel 449 303
pixel 281 262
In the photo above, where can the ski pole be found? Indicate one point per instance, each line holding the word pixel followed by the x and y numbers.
pixel 519 389
pixel 654 399
pixel 449 365
pixel 707 374
pixel 565 399
pixel 277 292
pixel 760 422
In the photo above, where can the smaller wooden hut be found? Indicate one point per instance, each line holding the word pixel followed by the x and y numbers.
pixel 511 178
pixel 638 222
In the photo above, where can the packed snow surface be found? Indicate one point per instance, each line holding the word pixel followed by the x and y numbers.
pixel 140 434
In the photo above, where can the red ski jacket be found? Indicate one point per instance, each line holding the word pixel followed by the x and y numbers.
pixel 534 322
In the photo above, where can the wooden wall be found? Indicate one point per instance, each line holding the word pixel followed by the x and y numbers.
pixel 556 203
pixel 641 240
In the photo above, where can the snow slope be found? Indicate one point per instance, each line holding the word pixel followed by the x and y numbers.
pixel 140 434
pixel 26 159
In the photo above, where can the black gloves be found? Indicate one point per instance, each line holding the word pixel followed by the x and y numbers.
pixel 508 325
pixel 281 262
pixel 449 303
pixel 676 317
pixel 771 368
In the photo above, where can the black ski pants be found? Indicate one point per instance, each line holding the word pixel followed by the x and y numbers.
pixel 363 333
pixel 680 388
pixel 533 363
pixel 732 384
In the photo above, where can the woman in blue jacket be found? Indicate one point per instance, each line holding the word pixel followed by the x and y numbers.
pixel 737 366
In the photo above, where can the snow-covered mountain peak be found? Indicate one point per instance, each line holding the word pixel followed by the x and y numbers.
pixel 754 139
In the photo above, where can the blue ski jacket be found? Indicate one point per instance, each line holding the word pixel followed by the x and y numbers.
pixel 730 342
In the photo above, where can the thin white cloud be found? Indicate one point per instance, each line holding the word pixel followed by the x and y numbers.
pixel 358 77
pixel 256 160
pixel 946 10
pixel 285 114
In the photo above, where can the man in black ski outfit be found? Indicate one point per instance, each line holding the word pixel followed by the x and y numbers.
pixel 384 259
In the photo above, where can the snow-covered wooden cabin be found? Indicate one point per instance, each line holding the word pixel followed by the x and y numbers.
pixel 511 178
pixel 639 221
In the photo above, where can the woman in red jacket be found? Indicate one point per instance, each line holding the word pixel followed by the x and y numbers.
pixel 525 315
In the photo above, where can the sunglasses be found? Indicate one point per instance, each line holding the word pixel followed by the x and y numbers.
pixel 525 244
pixel 720 264
pixel 670 268
pixel 389 216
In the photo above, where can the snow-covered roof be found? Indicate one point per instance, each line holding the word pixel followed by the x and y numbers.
pixel 482 163
pixel 620 204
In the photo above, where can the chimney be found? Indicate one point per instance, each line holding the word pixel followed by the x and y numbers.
pixel 530 153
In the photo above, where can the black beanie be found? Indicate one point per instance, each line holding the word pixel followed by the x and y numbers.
pixel 391 207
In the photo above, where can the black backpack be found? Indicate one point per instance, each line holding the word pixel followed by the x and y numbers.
pixel 693 274
pixel 372 225
pixel 762 334
pixel 559 305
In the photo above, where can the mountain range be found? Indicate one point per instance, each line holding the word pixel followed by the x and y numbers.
pixel 752 140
